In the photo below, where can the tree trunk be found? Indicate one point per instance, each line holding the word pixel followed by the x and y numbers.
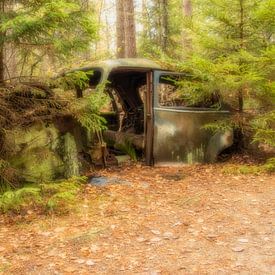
pixel 2 66
pixel 187 12
pixel 130 29
pixel 241 28
pixel 241 142
pixel 187 7
pixel 120 30
pixel 164 24
pixel 145 21
pixel 2 56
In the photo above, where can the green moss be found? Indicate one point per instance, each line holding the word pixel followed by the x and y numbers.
pixel 38 165
pixel 70 156
pixel 41 153
pixel 36 136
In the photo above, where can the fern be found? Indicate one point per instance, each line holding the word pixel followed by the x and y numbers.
pixel 73 80
pixel 17 200
pixel 87 110
pixel 61 202
pixel 52 197
pixel 264 127
pixel 269 166
pixel 128 149
pixel 221 126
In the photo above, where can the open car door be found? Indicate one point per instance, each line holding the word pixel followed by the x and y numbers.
pixel 178 135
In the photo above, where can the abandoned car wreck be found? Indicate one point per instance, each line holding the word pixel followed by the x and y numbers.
pixel 147 119
pixel 147 113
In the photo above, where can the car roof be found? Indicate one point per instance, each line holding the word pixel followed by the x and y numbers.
pixel 110 64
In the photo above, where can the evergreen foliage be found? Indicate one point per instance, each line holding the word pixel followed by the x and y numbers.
pixel 88 110
pixel 156 30
pixel 232 59
pixel 54 28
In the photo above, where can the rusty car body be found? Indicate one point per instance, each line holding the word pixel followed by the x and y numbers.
pixel 146 113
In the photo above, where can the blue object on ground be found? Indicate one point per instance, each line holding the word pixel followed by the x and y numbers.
pixel 103 181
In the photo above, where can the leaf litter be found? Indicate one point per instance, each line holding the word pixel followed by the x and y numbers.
pixel 193 220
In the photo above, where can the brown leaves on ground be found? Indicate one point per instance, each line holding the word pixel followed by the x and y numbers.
pixel 189 220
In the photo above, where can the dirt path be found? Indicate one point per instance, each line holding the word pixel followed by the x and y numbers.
pixel 158 221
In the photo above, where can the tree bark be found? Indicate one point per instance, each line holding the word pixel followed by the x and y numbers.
pixel 241 28
pixel 120 30
pixel 164 25
pixel 187 7
pixel 2 40
pixel 2 66
pixel 187 12
pixel 130 29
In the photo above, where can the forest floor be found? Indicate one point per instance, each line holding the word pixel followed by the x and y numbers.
pixel 188 220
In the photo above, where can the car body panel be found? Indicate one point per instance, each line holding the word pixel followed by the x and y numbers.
pixel 172 135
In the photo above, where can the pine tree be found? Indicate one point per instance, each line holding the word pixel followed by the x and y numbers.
pixel 162 28
pixel 125 29
pixel 56 28
pixel 130 29
pixel 233 56
pixel 120 29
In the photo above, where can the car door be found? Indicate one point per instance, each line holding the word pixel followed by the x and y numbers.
pixel 179 136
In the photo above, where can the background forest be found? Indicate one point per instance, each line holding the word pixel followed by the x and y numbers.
pixel 228 47
pixel 61 212
pixel 225 47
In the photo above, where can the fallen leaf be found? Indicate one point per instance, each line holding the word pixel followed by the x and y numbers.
pixel 243 240
pixel 155 240
pixel 168 235
pixel 156 232
pixel 237 249
pixel 140 239
pixel 80 261
pixel 90 263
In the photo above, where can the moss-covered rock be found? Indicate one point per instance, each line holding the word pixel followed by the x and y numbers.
pixel 36 136
pixel 38 165
pixel 36 152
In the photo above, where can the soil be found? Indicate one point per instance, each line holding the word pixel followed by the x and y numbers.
pixel 188 220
